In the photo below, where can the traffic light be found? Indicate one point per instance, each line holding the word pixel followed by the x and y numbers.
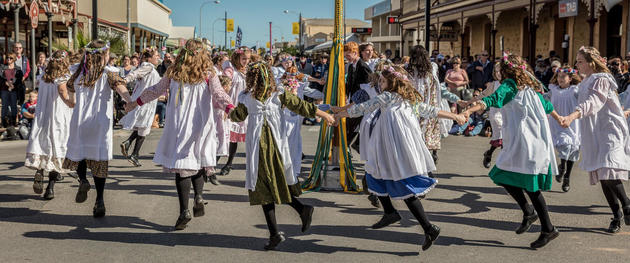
pixel 392 20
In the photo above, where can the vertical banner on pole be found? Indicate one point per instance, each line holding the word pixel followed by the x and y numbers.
pixel 239 36
pixel 334 138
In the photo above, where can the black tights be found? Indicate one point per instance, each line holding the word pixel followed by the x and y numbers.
pixel 568 165
pixel 232 152
pixel 537 200
pixel 491 150
pixel 139 141
pixel 270 214
pixel 183 185
pixel 99 182
pixel 415 207
pixel 613 191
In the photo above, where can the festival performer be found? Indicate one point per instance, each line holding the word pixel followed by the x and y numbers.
pixel 397 160
pixel 269 176
pixel 494 115
pixel 527 162
pixel 188 145
pixel 140 120
pixel 425 80
pixel 564 92
pixel 296 83
pixel 604 134
pixel 46 147
pixel 221 101
pixel 236 68
pixel 90 141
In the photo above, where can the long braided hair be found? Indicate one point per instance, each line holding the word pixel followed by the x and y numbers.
pixel 92 64
pixel 260 81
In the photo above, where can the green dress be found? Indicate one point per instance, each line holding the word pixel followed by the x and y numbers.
pixel 271 185
pixel 530 182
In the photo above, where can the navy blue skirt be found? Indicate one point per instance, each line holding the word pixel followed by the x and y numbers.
pixel 413 186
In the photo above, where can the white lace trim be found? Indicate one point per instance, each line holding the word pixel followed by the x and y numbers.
pixel 44 162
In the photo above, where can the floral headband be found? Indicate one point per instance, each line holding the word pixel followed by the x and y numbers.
pixel 569 71
pixel 512 65
pixel 241 50
pixel 97 50
pixel 595 56
pixel 396 74
pixel 285 59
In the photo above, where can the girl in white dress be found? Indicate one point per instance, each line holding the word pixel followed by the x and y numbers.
pixel 49 134
pixel 236 68
pixel 604 134
pixel 269 176
pixel 140 119
pixel 398 161
pixel 90 137
pixel 527 163
pixel 494 115
pixel 222 103
pixel 188 146
pixel 563 90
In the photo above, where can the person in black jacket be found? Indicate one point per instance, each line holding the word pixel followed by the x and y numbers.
pixel 10 84
pixel 480 71
pixel 358 73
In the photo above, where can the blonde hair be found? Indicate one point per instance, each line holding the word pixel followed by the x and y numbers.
pixel 260 81
pixel 191 65
pixel 516 69
pixel 225 81
pixel 400 85
pixel 594 59
pixel 92 65
pixel 57 66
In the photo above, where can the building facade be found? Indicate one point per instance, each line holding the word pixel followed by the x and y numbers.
pixel 525 27
pixel 319 30
pixel 384 36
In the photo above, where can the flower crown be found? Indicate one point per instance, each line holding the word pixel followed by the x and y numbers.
pixel 569 71
pixel 396 74
pixel 512 65
pixel 241 50
pixel 97 50
pixel 285 59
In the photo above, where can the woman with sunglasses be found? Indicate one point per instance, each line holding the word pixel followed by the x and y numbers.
pixel 10 83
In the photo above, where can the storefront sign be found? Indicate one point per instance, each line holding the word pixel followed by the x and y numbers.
pixel 567 8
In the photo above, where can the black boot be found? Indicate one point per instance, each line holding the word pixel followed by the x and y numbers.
pixel 374 200
pixel 430 236
pixel 626 213
pixel 307 217
pixel 561 170
pixel 38 182
pixel 124 148
pixel 226 170
pixel 133 159
pixel 387 220
pixel 199 207
pixel 50 189
pixel 99 209
pixel 544 238
pixel 274 241
pixel 182 221
pixel 84 187
pixel 528 220
pixel 565 184
pixel 615 225
pixel 487 158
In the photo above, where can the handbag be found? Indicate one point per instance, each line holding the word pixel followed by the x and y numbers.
pixel 466 93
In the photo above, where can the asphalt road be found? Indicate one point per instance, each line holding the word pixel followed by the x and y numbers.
pixel 477 218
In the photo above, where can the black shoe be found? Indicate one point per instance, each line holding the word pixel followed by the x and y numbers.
pixel 99 209
pixel 182 221
pixel 50 193
pixel 274 241
pixel 565 185
pixel 430 236
pixel 198 208
pixel 528 220
pixel 124 148
pixel 434 155
pixel 387 220
pixel 374 200
pixel 431 175
pixel 212 179
pixel 38 182
pixel 84 187
pixel 133 159
pixel 626 215
pixel 56 176
pixel 544 238
pixel 487 158
pixel 226 170
pixel 561 171
pixel 307 217
pixel 615 226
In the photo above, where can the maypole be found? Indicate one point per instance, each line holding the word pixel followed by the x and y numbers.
pixel 334 138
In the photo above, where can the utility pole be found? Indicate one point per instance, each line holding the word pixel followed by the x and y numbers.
pixel 94 19
pixel 129 27
pixel 427 25
pixel 226 46
pixel 300 45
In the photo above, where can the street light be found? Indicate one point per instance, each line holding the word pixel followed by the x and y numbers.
pixel 215 21
pixel 301 47
pixel 201 8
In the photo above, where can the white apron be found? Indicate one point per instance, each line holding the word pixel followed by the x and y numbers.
pixel 189 140
pixel 46 147
pixel 259 112
pixel 142 116
pixel 564 102
pixel 238 85
pixel 527 144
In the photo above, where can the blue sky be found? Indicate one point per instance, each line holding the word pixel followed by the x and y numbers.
pixel 253 16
